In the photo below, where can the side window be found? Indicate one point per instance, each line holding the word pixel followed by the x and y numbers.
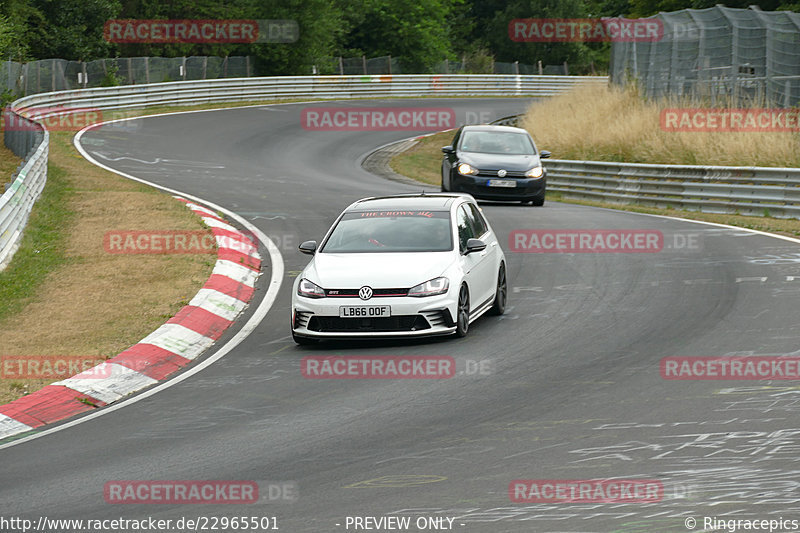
pixel 478 222
pixel 465 231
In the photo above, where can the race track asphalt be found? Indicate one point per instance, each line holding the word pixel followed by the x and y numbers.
pixel 566 385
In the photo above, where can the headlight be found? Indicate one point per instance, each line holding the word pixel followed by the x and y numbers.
pixel 535 172
pixel 467 170
pixel 310 290
pixel 430 288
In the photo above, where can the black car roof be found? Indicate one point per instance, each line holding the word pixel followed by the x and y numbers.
pixel 491 127
pixel 433 201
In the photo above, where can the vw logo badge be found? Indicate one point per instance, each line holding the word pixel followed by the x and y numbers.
pixel 501 173
pixel 365 293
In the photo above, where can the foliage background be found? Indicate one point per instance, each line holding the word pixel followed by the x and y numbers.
pixel 419 34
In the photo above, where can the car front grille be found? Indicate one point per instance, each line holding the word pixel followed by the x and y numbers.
pixel 493 174
pixel 397 323
pixel 376 293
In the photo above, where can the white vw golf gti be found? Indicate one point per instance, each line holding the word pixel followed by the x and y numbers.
pixel 400 266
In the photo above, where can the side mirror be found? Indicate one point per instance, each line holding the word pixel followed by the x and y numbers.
pixel 475 245
pixel 544 154
pixel 447 149
pixel 308 247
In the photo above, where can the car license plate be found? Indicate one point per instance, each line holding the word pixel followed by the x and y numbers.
pixel 364 311
pixel 502 183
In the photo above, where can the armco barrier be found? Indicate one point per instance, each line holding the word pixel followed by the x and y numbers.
pixel 713 189
pixel 16 204
pixel 32 143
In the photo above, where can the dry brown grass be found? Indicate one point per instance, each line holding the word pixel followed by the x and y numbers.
pixel 612 124
pixel 96 303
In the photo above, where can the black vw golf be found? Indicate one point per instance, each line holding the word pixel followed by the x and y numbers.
pixel 495 163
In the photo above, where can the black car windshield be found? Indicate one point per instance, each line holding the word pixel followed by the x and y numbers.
pixel 391 231
pixel 497 142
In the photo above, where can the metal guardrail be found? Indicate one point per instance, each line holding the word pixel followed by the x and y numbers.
pixel 16 203
pixel 239 89
pixel 30 141
pixel 713 189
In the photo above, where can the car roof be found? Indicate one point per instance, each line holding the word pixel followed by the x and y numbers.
pixel 494 128
pixel 427 201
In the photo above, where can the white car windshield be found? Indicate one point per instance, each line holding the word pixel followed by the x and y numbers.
pixel 497 142
pixel 391 231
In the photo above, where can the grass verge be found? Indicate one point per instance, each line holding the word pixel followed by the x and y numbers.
pixel 64 297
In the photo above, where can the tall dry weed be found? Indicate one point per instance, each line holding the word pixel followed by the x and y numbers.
pixel 614 124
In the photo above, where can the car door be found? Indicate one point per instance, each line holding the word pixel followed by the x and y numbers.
pixel 478 266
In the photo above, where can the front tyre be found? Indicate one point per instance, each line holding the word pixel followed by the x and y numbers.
pixel 538 201
pixel 500 295
pixel 462 317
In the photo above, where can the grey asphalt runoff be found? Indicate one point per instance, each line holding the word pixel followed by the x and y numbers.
pixel 566 385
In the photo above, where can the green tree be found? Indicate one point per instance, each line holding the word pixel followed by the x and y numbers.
pixel 321 27
pixel 184 9
pixel 15 14
pixel 506 50
pixel 8 35
pixel 416 33
pixel 68 29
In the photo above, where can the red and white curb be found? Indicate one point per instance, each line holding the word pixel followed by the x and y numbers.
pixel 174 345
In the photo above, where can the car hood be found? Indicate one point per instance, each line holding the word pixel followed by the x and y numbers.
pixel 498 161
pixel 378 270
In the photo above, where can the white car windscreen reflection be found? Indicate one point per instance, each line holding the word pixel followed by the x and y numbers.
pixel 391 231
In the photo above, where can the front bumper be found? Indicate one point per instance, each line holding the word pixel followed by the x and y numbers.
pixel 477 186
pixel 410 317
